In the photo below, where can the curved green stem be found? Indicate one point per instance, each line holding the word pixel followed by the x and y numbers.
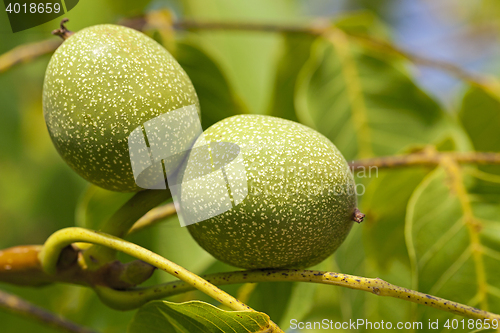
pixel 64 237
pixel 122 221
pixel 130 299
pixel 152 217
pixel 141 203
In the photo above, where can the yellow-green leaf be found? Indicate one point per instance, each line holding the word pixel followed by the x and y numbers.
pixel 218 99
pixel 366 104
pixel 194 317
pixel 455 251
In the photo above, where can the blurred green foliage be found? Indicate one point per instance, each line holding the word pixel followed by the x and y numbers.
pixel 367 102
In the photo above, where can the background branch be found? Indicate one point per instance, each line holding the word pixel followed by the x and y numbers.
pixel 16 305
pixel 486 82
pixel 27 52
pixel 427 158
pixel 31 51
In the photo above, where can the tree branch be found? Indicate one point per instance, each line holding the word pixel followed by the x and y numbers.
pixel 27 52
pixel 16 305
pixel 20 265
pixel 427 158
pixel 131 299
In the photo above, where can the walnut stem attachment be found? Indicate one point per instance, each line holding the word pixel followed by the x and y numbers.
pixel 357 216
pixel 63 32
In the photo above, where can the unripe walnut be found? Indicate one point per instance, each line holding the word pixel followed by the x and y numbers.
pixel 101 83
pixel 301 200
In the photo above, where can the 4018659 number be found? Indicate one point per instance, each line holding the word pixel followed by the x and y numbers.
pixel 453 324
pixel 33 8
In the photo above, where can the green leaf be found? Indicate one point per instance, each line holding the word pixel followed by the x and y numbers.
pixel 96 205
pixel 272 298
pixel 295 51
pixel 386 197
pixel 364 23
pixel 175 243
pixel 284 301
pixel 305 298
pixel 300 304
pixel 384 204
pixel 350 258
pixel 455 251
pixel 480 116
pixel 248 56
pixel 328 302
pixel 218 100
pixel 366 104
pixel 195 316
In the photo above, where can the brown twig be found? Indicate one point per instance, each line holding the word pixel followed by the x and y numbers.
pixel 17 305
pixel 427 158
pixel 31 51
pixel 20 265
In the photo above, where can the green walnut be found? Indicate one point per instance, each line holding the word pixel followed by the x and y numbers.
pixel 301 200
pixel 102 83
